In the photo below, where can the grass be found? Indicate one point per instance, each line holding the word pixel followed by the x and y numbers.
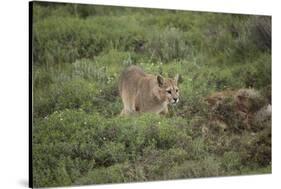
pixel 79 52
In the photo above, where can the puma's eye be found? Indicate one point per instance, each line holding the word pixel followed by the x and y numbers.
pixel 170 92
pixel 177 90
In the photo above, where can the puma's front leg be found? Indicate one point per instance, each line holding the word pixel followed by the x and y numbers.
pixel 164 111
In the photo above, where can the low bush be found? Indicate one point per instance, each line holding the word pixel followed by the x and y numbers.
pixel 103 142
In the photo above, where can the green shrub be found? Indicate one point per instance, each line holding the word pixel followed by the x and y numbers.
pixel 261 32
pixel 190 169
pixel 74 94
pixel 113 174
pixel 106 141
pixel 168 45
pixel 231 160
pixel 66 39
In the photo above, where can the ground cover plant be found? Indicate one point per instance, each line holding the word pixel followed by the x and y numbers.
pixel 221 126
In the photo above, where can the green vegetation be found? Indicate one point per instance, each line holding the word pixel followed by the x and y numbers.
pixel 79 52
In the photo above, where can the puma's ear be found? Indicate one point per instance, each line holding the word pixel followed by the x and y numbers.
pixel 176 78
pixel 160 80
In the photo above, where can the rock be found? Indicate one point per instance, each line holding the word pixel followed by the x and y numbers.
pixel 263 114
pixel 244 107
pixel 248 100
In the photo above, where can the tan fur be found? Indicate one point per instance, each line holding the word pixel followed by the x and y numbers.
pixel 141 92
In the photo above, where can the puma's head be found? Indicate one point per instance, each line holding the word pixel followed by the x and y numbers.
pixel 168 89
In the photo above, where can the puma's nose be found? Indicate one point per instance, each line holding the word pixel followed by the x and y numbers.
pixel 175 99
